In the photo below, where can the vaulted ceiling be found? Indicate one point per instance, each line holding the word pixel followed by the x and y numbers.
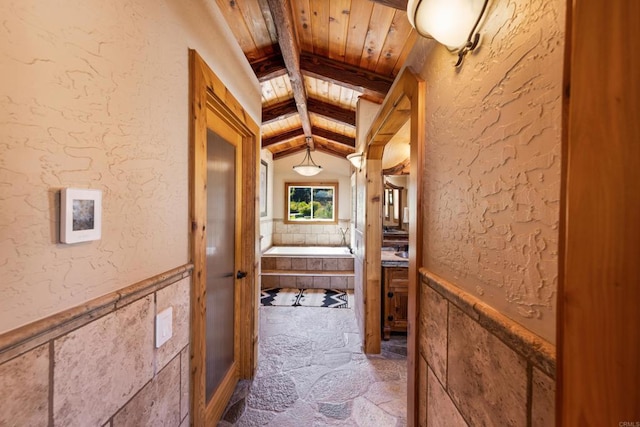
pixel 314 59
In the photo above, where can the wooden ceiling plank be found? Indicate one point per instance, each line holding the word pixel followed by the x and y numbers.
pixel 334 93
pixel 289 48
pixel 323 88
pixel 358 28
pixel 254 19
pixel 394 43
pixel 279 111
pixel 310 84
pixel 283 90
pixel 331 111
pixel 320 26
pixel 233 15
pixel 382 16
pixel 339 11
pixel 395 4
pixel 268 93
pixel 302 17
pixel 344 74
pixel 347 98
pixel 293 122
pixel 266 131
pixel 268 20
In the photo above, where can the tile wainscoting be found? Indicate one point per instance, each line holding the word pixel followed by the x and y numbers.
pixel 97 365
pixel 478 367
pixel 310 234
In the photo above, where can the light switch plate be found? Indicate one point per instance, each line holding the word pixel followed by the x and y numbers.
pixel 164 326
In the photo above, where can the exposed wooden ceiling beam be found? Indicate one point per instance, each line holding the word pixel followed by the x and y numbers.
pixel 331 111
pixel 280 111
pixel 288 108
pixel 330 150
pixel 401 168
pixel 289 151
pixel 282 137
pixel 336 137
pixel 283 20
pixel 269 67
pixel 323 133
pixel 268 20
pixel 396 4
pixel 324 147
pixel 343 74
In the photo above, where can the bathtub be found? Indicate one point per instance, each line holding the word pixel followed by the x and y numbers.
pixel 308 251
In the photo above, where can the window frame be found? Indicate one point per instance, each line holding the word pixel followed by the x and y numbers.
pixel 322 184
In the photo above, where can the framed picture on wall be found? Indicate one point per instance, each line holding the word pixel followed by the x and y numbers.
pixel 80 215
pixel 264 176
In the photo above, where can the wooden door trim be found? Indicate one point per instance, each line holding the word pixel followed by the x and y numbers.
pixel 208 93
pixel 405 101
pixel 223 394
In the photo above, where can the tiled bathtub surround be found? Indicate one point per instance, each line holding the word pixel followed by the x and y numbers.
pixel 308 234
pixel 307 272
pixel 478 367
pixel 97 364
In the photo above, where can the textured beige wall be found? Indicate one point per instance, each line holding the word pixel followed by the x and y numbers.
pixel 95 95
pixel 492 173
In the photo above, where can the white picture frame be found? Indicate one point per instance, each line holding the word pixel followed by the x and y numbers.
pixel 80 215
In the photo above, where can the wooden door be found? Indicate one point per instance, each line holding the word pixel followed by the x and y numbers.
pixel 220 124
pixel 223 273
pixel 599 294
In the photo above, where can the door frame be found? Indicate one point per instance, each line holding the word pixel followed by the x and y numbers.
pixel 406 100
pixel 209 97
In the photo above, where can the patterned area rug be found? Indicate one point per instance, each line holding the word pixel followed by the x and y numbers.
pixel 306 297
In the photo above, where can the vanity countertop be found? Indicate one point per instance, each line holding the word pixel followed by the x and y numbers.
pixel 390 259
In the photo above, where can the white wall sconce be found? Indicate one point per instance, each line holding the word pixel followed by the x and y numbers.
pixel 307 167
pixel 356 159
pixel 454 23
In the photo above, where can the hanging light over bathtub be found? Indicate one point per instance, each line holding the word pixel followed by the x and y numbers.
pixel 308 167
pixel 453 23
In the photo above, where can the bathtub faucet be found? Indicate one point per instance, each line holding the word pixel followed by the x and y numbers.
pixel 344 236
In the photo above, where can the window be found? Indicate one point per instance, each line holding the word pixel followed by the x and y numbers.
pixel 311 202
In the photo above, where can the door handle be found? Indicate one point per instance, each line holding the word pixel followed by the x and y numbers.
pixel 241 274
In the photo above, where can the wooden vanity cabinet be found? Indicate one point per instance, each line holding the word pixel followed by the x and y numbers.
pixel 395 300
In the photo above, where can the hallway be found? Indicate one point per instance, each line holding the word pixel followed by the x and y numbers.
pixel 312 372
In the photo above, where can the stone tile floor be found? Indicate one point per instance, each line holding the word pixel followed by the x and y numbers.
pixel 312 372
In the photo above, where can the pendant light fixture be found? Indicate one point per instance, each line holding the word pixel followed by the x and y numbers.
pixel 308 167
pixel 356 160
pixel 454 23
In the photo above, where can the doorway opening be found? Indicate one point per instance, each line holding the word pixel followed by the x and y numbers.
pixel 404 102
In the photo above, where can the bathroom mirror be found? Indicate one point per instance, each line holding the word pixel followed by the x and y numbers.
pixel 392 206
